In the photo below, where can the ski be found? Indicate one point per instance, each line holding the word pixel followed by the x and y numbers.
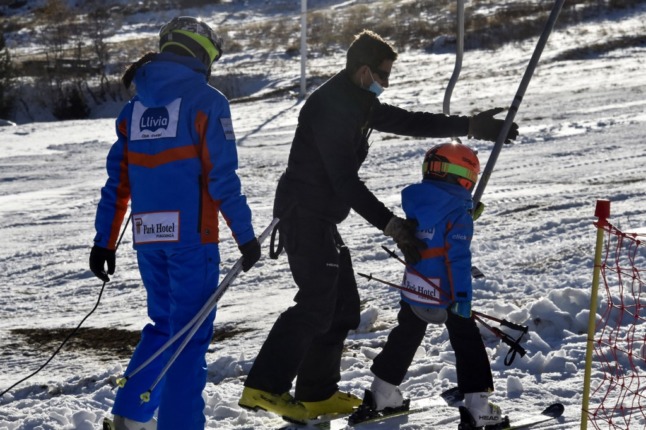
pixel 340 422
pixel 553 411
pixel 323 422
pixel 452 397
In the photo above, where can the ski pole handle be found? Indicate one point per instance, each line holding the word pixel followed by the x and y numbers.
pixel 514 344
pixel 503 322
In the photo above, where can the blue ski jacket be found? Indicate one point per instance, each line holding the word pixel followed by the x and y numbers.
pixel 175 158
pixel 446 226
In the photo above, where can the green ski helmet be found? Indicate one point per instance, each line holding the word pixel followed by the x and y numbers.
pixel 185 35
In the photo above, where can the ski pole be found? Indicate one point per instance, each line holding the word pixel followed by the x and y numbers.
pixel 69 336
pixel 416 272
pixel 195 323
pixel 511 113
pixel 514 344
pixel 504 322
pixel 401 287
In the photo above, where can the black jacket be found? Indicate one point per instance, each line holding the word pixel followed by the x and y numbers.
pixel 331 143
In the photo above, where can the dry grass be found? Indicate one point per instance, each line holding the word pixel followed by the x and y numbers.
pixel 106 343
pixel 417 24
pixel 407 24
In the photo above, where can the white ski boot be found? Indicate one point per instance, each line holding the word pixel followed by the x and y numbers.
pixel 385 395
pixel 123 423
pixel 383 398
pixel 478 412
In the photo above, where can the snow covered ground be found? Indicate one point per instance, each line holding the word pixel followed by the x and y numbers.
pixel 582 128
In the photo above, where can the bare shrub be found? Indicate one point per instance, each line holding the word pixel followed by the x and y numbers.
pixel 71 103
pixel 7 96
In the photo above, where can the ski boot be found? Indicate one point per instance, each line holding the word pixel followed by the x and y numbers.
pixel 382 399
pixel 478 413
pixel 123 423
pixel 338 403
pixel 280 404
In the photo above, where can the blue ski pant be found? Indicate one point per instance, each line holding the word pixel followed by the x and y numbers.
pixel 178 281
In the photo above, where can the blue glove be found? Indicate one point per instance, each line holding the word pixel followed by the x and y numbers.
pixel 461 309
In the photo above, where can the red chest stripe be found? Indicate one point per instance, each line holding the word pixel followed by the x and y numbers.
pixel 164 157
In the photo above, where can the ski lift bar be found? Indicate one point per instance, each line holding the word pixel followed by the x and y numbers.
pixel 511 113
pixel 459 53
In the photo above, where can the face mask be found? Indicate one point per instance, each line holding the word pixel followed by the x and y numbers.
pixel 375 87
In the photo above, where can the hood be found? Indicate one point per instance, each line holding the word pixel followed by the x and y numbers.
pixel 167 77
pixel 430 201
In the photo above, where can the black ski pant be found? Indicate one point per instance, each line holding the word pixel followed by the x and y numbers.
pixel 471 360
pixel 306 341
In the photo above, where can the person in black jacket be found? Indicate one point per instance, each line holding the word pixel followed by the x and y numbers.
pixel 315 193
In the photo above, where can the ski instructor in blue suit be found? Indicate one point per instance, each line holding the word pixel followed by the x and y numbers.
pixel 175 158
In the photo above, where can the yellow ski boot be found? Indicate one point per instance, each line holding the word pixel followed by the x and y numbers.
pixel 280 404
pixel 338 403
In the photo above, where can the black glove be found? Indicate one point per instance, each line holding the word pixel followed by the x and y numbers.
pixel 484 126
pixel 250 254
pixel 99 256
pixel 403 232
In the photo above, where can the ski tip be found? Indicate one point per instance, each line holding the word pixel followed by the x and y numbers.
pixel 555 410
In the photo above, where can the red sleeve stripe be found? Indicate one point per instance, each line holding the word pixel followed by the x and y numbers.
pixel 123 191
pixel 210 208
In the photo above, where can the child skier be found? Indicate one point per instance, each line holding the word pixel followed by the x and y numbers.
pixel 175 160
pixel 442 206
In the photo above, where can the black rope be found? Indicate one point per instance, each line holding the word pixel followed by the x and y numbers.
pixel 69 336
pixel 275 248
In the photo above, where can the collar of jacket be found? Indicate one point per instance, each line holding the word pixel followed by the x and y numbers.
pixel 190 62
pixel 363 97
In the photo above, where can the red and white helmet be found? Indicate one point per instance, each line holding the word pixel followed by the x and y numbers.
pixel 452 162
